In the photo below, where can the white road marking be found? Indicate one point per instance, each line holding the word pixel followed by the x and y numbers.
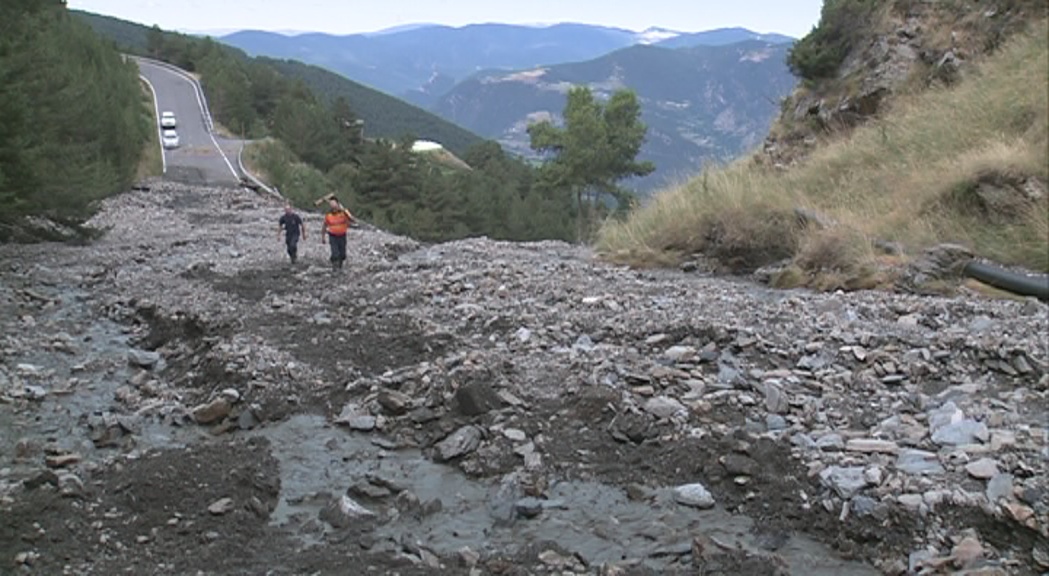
pixel 208 124
pixel 156 116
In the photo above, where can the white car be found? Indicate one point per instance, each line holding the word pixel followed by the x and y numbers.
pixel 167 120
pixel 170 138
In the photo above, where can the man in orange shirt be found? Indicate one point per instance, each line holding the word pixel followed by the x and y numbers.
pixel 336 224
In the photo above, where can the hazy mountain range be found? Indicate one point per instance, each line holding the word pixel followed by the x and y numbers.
pixel 700 103
pixel 421 63
pixel 705 96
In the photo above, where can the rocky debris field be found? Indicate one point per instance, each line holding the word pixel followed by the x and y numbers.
pixel 177 398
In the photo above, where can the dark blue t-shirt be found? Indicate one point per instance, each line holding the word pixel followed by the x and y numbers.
pixel 291 223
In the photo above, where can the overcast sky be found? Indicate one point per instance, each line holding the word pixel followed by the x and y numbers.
pixel 791 17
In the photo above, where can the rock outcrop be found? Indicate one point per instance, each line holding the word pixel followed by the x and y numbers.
pixel 908 45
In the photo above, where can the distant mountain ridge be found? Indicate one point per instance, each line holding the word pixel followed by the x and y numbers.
pixel 701 104
pixel 421 63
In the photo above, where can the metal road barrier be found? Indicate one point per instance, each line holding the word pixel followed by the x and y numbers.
pixel 254 182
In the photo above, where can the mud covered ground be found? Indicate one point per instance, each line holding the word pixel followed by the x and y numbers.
pixel 176 398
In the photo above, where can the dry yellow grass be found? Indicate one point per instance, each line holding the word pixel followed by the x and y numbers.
pixel 252 159
pixel 150 163
pixel 909 177
pixel 224 132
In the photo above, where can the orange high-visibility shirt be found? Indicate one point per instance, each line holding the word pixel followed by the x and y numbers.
pixel 338 222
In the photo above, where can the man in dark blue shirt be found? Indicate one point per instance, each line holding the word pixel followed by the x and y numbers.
pixel 291 225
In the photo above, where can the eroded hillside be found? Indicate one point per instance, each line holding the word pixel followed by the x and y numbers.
pixel 870 53
pixel 928 126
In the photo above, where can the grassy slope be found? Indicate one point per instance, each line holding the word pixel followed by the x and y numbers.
pixel 151 163
pixel 909 177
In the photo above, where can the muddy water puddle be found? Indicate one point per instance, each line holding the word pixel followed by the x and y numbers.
pixel 64 395
pixel 449 510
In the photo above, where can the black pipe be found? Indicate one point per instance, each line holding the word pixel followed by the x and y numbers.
pixel 1037 286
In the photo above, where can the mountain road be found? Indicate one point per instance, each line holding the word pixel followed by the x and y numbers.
pixel 202 157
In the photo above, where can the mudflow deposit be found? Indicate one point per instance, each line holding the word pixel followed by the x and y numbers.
pixel 176 398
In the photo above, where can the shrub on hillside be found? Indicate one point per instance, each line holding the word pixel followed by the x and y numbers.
pixel 820 53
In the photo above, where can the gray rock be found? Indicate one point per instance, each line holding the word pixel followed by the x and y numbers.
pixel 946 414
pixel 917 560
pixel 873 475
pixel 393 402
pixel 1021 365
pixel 863 505
pixel 475 398
pixel 515 435
pixel 737 464
pixel 694 495
pixel 679 353
pixel 918 462
pixel 70 485
pixel 247 420
pixel 143 358
pixel 664 407
pixel 213 411
pixel 812 362
pixel 775 399
pixel 999 487
pixel 871 445
pixel 422 415
pixel 362 422
pixel 583 344
pixel 911 501
pixel 368 490
pixel 967 431
pixel 983 469
pixel 35 392
pixel 459 443
pixel 830 443
pixel 221 506
pixel 893 379
pixel 803 441
pixel 344 511
pixel 528 507
pixel 775 422
pixel 845 481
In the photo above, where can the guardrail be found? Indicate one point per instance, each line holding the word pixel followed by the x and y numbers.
pixel 254 179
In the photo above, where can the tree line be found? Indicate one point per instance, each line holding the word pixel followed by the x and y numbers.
pixel 73 121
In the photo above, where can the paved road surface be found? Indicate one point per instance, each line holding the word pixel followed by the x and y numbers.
pixel 201 158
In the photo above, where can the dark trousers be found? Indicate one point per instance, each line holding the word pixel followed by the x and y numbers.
pixel 338 249
pixel 293 247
